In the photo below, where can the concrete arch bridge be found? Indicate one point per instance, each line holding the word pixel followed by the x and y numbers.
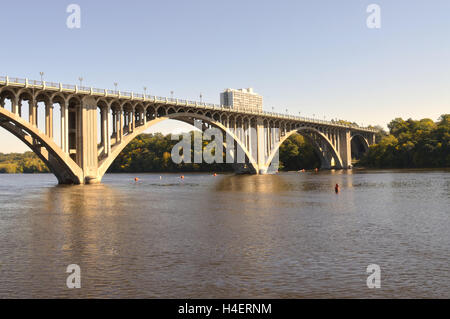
pixel 95 125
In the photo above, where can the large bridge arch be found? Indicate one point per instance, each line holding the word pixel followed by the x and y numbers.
pixel 58 162
pixel 320 142
pixel 186 117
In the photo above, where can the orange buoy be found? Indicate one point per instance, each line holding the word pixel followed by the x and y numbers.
pixel 336 188
pixel 136 179
pixel 182 176
pixel 316 170
pixel 215 174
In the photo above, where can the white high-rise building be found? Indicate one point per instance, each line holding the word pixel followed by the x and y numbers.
pixel 242 99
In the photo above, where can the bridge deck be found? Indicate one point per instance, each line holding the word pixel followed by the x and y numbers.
pixel 69 88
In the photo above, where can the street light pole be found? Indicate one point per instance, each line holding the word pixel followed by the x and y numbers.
pixel 81 80
pixel 42 76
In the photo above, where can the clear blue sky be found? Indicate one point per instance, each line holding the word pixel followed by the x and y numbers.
pixel 314 57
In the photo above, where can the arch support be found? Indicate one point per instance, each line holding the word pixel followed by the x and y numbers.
pixel 59 163
pixel 327 150
pixel 249 166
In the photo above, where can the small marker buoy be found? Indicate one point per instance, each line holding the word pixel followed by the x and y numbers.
pixel 136 179
pixel 182 176
pixel 316 170
pixel 336 188
pixel 215 174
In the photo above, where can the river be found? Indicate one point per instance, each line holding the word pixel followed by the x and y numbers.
pixel 272 236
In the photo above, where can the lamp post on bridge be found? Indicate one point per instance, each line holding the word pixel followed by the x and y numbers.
pixel 171 94
pixel 81 81
pixel 201 97
pixel 115 85
pixel 42 76
pixel 145 91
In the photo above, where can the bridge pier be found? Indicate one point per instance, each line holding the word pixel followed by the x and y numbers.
pixel 89 151
pixel 260 141
pixel 345 149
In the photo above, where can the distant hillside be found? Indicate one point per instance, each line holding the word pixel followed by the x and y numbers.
pixel 27 162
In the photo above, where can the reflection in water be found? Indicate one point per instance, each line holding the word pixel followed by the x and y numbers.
pixel 81 210
pixel 271 183
pixel 283 235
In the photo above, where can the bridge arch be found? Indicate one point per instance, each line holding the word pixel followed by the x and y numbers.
pixel 322 145
pixel 186 117
pixel 59 163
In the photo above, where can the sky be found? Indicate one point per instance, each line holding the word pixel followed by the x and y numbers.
pixel 314 57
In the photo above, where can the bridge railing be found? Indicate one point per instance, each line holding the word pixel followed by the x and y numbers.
pixel 97 91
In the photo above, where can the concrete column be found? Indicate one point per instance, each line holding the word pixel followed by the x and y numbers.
pixel 15 106
pixel 144 116
pixel 260 141
pixel 107 131
pixel 32 106
pixel 89 162
pixel 338 145
pixel 66 127
pixel 117 124
pixel 345 148
pixel 63 127
pixel 49 119
pixel 120 124
pixel 114 124
pixel 133 119
pixel 103 128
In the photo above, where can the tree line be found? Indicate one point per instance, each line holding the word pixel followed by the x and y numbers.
pixel 27 162
pixel 411 144
pixel 408 144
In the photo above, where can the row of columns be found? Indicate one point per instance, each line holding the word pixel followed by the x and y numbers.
pixel 16 109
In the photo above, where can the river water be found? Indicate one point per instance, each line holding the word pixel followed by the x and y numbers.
pixel 273 236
